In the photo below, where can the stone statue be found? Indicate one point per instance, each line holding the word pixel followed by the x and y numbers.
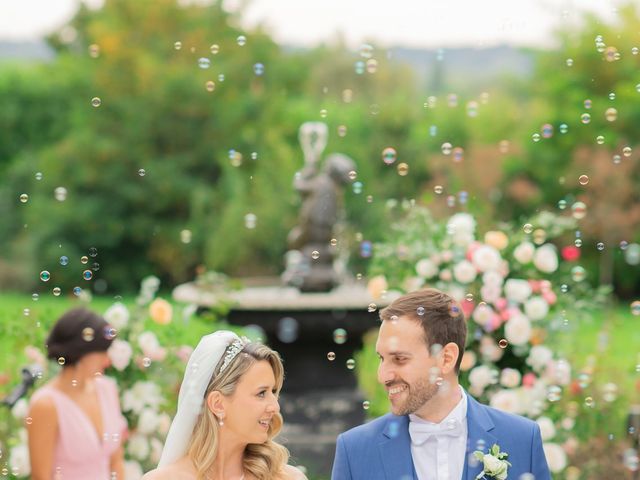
pixel 310 260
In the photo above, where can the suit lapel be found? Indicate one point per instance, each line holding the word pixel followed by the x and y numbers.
pixel 395 449
pixel 479 425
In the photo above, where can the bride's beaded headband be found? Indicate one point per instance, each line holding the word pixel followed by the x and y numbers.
pixel 232 351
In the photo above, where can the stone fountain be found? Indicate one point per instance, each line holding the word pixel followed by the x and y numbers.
pixel 314 316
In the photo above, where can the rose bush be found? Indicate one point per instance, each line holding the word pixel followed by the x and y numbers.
pixel 148 356
pixel 515 290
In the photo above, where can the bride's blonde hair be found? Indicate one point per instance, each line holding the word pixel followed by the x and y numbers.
pixel 264 461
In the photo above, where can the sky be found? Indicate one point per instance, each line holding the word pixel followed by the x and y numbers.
pixel 410 23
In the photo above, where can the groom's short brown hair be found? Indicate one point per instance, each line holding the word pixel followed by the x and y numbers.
pixel 440 315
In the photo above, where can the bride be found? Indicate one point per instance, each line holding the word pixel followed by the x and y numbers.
pixel 228 415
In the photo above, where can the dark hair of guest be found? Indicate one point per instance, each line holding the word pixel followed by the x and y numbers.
pixel 77 332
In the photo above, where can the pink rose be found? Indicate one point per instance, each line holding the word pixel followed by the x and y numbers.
pixel 467 307
pixel 550 297
pixel 529 379
pixel 501 303
pixel 473 246
pixel 493 323
pixel 535 286
pixel 184 352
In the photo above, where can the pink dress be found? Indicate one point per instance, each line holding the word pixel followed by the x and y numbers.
pixel 79 453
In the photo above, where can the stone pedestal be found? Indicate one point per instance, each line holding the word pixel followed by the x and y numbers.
pixel 320 398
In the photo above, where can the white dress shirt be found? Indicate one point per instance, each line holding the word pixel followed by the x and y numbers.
pixel 442 455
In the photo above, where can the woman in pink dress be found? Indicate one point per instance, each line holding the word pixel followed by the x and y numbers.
pixel 77 427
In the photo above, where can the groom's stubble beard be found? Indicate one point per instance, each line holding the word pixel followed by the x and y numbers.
pixel 419 393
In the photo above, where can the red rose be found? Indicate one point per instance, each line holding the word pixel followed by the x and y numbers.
pixel 570 253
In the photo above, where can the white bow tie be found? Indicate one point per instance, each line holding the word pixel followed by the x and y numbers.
pixel 421 432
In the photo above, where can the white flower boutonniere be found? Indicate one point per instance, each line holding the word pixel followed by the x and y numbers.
pixel 495 463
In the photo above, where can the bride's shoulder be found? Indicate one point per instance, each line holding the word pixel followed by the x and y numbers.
pixel 170 472
pixel 293 473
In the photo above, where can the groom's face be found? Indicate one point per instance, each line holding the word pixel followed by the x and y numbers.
pixel 406 367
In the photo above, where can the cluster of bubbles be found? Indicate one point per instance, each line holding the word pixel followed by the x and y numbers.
pixel 368 64
pixel 235 158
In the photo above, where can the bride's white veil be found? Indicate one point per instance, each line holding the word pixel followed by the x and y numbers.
pixel 197 375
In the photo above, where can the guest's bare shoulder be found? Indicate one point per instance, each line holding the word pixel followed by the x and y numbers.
pixel 293 473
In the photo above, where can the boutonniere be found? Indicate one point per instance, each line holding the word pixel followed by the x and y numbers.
pixel 494 463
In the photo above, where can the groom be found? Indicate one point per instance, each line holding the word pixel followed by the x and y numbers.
pixel 435 426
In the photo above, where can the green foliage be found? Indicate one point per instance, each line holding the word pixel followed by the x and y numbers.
pixel 593 73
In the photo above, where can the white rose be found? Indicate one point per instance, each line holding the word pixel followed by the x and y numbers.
pixel 517 290
pixel 539 357
pixel 517 330
pixel 556 457
pixel 523 253
pixel 150 284
pixel 426 268
pixel 558 372
pixel 411 284
pixel 486 258
pixel 445 275
pixel 490 293
pixel 461 227
pixel 148 342
pixel 507 401
pixel 150 346
pixel 140 395
pixel 510 377
pixel 535 398
pixel 20 409
pixel 492 465
pixel 148 421
pixel 456 292
pixel 464 272
pixel 19 460
pixel 547 428
pixel 492 278
pixel 536 308
pixel 546 258
pixel 117 315
pixel 120 354
pixel 132 470
pixel 480 378
pixel 138 446
pixel 489 349
pixel 482 314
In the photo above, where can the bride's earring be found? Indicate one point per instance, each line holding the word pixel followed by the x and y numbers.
pixel 221 421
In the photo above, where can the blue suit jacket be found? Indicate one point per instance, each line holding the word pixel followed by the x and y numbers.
pixel 381 449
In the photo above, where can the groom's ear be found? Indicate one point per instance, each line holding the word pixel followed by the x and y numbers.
pixel 215 402
pixel 448 357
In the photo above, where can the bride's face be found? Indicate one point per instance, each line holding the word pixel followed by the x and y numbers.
pixel 250 410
